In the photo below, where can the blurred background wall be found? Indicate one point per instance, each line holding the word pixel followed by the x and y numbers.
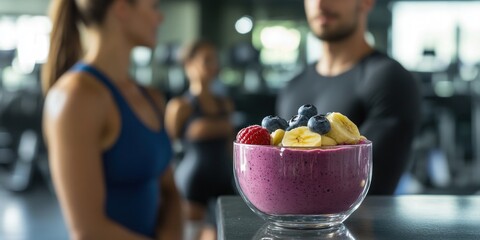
pixel 263 44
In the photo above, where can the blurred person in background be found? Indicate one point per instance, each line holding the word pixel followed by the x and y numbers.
pixel 108 150
pixel 351 77
pixel 200 119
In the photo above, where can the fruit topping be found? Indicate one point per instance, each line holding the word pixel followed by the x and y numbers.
pixel 328 141
pixel 297 121
pixel 343 131
pixel 277 137
pixel 319 124
pixel 272 123
pixel 308 110
pixel 301 137
pixel 254 134
pixel 307 129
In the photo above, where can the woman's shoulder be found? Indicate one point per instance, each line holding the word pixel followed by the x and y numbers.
pixel 75 93
pixel 80 84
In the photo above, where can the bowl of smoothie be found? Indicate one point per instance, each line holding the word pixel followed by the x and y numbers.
pixel 303 187
pixel 306 185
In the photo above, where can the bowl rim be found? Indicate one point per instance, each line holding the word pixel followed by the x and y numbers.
pixel 364 143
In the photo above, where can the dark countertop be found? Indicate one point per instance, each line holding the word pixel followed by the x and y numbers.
pixel 379 217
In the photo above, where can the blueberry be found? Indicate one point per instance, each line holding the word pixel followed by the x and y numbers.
pixel 272 123
pixel 319 124
pixel 308 110
pixel 297 121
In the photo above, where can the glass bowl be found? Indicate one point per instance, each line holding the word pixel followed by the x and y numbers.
pixel 273 232
pixel 303 188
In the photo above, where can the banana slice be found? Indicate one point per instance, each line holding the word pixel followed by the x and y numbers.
pixel 328 141
pixel 277 137
pixel 343 131
pixel 301 137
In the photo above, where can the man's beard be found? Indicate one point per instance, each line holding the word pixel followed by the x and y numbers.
pixel 342 32
pixel 339 34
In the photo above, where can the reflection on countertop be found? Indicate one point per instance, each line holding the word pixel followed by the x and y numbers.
pixel 34 215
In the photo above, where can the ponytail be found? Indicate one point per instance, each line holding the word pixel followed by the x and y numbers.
pixel 65 44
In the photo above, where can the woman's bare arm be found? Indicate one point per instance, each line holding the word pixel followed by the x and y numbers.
pixel 74 122
pixel 170 224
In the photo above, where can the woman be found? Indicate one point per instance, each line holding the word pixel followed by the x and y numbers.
pixel 109 153
pixel 201 120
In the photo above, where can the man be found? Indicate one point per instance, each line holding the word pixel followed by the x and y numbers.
pixel 373 90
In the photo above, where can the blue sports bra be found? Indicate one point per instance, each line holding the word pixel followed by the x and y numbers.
pixel 133 165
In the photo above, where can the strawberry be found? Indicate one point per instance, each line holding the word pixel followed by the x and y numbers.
pixel 254 134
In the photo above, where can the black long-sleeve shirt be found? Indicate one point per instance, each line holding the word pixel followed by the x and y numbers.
pixel 378 95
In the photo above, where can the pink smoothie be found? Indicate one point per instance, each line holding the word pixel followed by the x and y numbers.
pixel 302 181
